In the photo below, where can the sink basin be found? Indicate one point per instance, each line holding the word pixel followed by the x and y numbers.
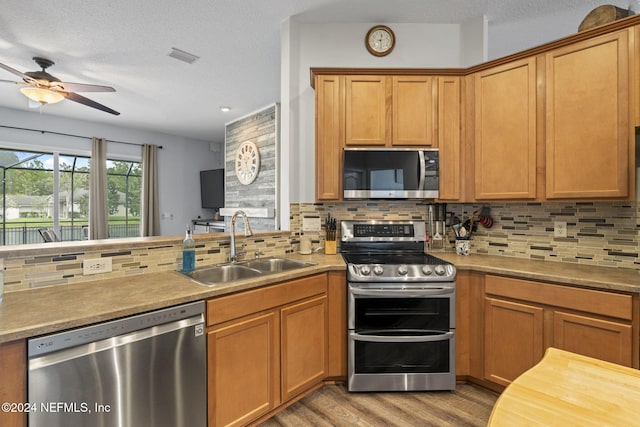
pixel 276 265
pixel 223 274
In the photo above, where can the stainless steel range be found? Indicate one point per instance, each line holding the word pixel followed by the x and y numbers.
pixel 401 308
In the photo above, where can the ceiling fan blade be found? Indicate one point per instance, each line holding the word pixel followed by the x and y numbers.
pixel 12 82
pixel 81 87
pixel 13 70
pixel 71 96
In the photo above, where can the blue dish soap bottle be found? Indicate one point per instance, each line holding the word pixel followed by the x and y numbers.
pixel 188 252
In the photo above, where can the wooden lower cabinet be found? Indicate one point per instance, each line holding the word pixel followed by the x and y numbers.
pixel 13 381
pixel 601 339
pixel 243 360
pixel 469 324
pixel 266 346
pixel 304 346
pixel 337 324
pixel 523 318
pixel 513 339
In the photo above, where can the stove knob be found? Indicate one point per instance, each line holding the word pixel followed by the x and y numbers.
pixel 365 270
pixel 426 270
pixel 378 270
pixel 440 270
pixel 402 270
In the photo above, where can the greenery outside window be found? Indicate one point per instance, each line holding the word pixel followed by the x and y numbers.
pixel 51 190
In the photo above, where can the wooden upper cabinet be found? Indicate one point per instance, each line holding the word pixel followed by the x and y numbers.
pixel 414 110
pixel 588 131
pixel 329 137
pixel 390 111
pixel 449 137
pixel 505 131
pixel 634 88
pixel 366 110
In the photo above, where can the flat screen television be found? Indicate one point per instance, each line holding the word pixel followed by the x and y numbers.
pixel 212 188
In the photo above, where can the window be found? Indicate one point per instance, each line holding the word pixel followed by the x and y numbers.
pixel 33 199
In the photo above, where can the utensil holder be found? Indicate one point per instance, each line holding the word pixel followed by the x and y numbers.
pixel 463 247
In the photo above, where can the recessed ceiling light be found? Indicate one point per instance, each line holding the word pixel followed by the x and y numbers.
pixel 225 109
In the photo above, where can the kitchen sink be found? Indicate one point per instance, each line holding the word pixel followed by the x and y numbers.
pixel 276 265
pixel 225 273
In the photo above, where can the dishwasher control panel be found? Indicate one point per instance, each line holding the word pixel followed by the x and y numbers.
pixel 50 343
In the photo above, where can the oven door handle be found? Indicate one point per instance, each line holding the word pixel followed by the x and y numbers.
pixel 410 338
pixel 394 293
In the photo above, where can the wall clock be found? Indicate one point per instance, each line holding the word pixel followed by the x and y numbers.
pixel 247 162
pixel 380 40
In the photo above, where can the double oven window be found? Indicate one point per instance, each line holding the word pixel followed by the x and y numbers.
pixel 401 338
pixel 402 316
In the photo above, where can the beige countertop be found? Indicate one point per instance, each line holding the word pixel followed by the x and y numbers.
pixel 33 312
pixel 615 279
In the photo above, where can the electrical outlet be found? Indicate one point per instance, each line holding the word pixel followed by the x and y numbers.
pixel 560 229
pixel 96 266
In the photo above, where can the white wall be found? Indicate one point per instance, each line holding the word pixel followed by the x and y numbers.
pixel 510 37
pixel 306 45
pixel 474 48
pixel 179 162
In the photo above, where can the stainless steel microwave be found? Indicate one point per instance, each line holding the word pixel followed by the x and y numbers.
pixel 393 173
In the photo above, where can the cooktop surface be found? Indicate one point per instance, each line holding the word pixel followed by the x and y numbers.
pixel 397 259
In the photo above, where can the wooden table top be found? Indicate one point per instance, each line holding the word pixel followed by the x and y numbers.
pixel 567 389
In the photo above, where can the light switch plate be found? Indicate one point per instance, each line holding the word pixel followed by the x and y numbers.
pixel 310 224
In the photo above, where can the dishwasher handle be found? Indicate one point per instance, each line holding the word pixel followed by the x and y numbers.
pixel 75 337
pixel 196 322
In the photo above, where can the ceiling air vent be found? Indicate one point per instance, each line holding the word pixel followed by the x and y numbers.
pixel 183 56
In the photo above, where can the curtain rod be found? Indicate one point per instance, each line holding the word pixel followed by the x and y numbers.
pixel 74 136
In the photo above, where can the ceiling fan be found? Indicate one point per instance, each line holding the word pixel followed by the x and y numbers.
pixel 44 88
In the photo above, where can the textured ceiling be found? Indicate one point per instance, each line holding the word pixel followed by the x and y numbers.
pixel 124 44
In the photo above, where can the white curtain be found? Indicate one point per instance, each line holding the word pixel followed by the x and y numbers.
pixel 98 213
pixel 150 215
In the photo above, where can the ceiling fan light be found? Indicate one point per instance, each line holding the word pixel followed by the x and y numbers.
pixel 43 96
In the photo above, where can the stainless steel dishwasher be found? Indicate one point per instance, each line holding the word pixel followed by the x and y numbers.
pixel 144 370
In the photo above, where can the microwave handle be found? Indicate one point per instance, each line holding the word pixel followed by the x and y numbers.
pixel 423 170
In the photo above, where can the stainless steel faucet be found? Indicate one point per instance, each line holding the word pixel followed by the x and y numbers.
pixel 247 232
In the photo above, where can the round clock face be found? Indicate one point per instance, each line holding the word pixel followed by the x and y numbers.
pixel 380 40
pixel 247 162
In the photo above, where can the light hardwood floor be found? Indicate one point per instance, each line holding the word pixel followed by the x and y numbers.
pixel 332 405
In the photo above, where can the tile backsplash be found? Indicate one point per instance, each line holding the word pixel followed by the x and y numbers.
pixel 598 233
pixel 61 267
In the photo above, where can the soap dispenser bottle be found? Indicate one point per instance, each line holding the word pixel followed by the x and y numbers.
pixel 188 252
